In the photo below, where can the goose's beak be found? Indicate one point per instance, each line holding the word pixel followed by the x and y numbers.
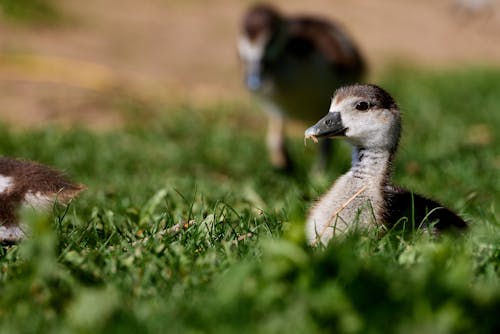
pixel 329 126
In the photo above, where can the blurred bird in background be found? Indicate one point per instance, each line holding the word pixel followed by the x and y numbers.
pixel 293 65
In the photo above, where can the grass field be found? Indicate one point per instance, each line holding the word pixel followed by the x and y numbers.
pixel 186 228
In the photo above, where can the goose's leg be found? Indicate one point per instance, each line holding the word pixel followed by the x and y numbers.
pixel 276 142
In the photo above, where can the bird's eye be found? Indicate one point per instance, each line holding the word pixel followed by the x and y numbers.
pixel 362 106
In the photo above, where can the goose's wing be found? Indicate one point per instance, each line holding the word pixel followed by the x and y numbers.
pixel 22 177
pixel 419 209
pixel 28 183
pixel 309 33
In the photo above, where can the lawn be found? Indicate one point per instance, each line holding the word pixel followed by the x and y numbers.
pixel 185 227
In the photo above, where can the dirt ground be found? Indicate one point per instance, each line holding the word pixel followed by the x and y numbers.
pixel 173 49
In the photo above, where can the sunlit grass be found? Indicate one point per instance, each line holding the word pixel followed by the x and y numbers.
pixel 185 227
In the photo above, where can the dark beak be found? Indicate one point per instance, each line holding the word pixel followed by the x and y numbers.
pixel 329 126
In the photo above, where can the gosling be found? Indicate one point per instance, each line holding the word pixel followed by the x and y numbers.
pixel 368 118
pixel 291 65
pixel 27 183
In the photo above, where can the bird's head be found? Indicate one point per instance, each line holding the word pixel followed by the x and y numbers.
pixel 260 25
pixel 365 115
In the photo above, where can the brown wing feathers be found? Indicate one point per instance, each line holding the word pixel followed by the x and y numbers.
pixel 29 183
pixel 31 177
pixel 329 39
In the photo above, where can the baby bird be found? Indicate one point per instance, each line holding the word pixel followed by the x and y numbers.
pixel 29 183
pixel 292 64
pixel 368 118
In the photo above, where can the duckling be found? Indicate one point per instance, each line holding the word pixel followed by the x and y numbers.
pixel 292 64
pixel 368 118
pixel 29 183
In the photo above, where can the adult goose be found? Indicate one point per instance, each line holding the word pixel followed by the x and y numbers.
pixel 368 118
pixel 292 64
pixel 32 184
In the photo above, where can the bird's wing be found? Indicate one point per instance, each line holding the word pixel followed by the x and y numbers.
pixel 37 179
pixel 337 47
pixel 419 209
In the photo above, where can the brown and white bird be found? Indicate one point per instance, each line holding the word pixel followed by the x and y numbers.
pixel 292 64
pixel 27 183
pixel 368 118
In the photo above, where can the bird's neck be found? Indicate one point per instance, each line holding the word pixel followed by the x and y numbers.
pixel 371 163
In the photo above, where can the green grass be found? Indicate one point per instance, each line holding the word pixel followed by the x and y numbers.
pixel 238 263
pixel 31 11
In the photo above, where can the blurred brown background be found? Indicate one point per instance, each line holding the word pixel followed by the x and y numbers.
pixel 177 50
